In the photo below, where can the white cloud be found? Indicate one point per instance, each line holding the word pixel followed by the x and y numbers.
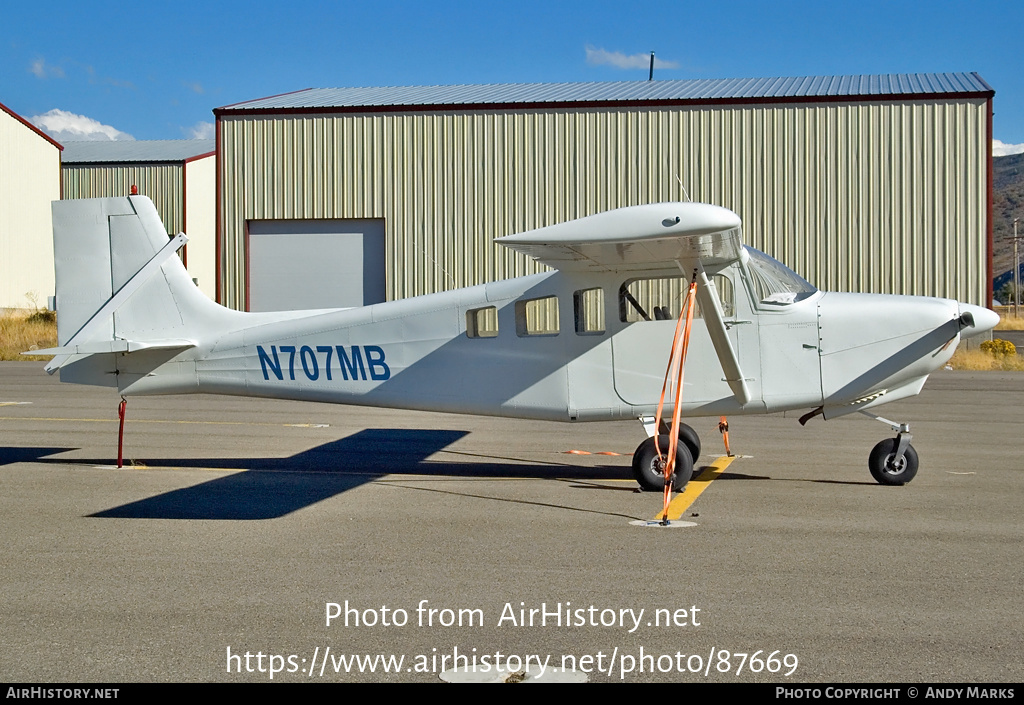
pixel 598 57
pixel 118 83
pixel 64 126
pixel 40 69
pixel 106 80
pixel 1001 149
pixel 200 131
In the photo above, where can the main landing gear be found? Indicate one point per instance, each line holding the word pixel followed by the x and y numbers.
pixel 649 468
pixel 893 461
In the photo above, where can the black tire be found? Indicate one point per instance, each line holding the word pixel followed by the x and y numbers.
pixel 885 471
pixel 648 472
pixel 691 440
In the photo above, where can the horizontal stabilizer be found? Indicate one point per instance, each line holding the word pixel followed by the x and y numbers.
pixel 114 346
pixel 107 346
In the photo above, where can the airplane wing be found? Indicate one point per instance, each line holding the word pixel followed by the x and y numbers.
pixel 642 238
pixel 636 238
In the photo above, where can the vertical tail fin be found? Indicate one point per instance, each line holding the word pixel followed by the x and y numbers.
pixel 119 287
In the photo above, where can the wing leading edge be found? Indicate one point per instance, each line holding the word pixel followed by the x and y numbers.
pixel 635 238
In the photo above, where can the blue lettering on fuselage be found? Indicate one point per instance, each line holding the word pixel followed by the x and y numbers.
pixel 353 362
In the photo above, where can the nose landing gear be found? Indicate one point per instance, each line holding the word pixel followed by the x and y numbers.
pixel 893 461
pixel 890 467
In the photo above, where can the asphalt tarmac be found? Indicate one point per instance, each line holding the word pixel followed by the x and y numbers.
pixel 242 524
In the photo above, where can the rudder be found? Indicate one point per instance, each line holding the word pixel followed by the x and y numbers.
pixel 116 277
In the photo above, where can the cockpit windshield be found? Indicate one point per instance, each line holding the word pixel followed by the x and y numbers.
pixel 774 282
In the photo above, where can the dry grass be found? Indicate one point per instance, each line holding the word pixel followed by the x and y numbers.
pixel 983 361
pixel 21 331
pixel 1007 321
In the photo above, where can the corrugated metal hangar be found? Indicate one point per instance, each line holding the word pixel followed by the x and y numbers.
pixel 859 183
pixel 178 175
pixel 29 181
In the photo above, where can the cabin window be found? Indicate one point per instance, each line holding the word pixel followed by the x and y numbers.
pixel 589 307
pixel 482 322
pixel 537 316
pixel 661 298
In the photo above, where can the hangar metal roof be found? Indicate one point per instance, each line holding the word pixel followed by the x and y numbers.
pixel 147 151
pixel 690 90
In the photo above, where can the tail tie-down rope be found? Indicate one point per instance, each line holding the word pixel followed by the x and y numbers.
pixel 674 374
pixel 120 431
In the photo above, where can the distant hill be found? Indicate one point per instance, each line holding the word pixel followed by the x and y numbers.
pixel 1007 204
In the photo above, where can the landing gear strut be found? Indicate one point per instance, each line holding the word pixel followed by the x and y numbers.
pixel 893 461
pixel 687 435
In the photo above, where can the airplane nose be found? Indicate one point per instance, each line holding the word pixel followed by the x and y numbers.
pixel 976 318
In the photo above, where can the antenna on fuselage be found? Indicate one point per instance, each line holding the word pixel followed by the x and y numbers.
pixel 688 199
pixel 422 247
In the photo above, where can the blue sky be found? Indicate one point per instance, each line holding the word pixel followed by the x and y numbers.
pixel 156 70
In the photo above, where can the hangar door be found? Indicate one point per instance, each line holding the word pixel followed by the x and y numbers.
pixel 300 264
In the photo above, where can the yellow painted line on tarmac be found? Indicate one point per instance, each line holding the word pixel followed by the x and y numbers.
pixel 682 501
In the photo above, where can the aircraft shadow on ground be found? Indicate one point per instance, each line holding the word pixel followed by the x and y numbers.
pixel 273 487
pixel 11 455
pixel 270 488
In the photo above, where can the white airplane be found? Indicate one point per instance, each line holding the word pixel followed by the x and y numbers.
pixel 587 341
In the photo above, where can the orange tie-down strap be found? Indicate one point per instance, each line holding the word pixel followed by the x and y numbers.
pixel 674 373
pixel 723 428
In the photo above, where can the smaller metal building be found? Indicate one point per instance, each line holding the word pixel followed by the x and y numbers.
pixel 29 181
pixel 178 175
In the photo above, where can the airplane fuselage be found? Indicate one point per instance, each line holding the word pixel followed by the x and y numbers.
pixel 430 352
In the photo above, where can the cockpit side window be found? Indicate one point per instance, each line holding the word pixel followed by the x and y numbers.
pixel 726 294
pixel 653 299
pixel 661 298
